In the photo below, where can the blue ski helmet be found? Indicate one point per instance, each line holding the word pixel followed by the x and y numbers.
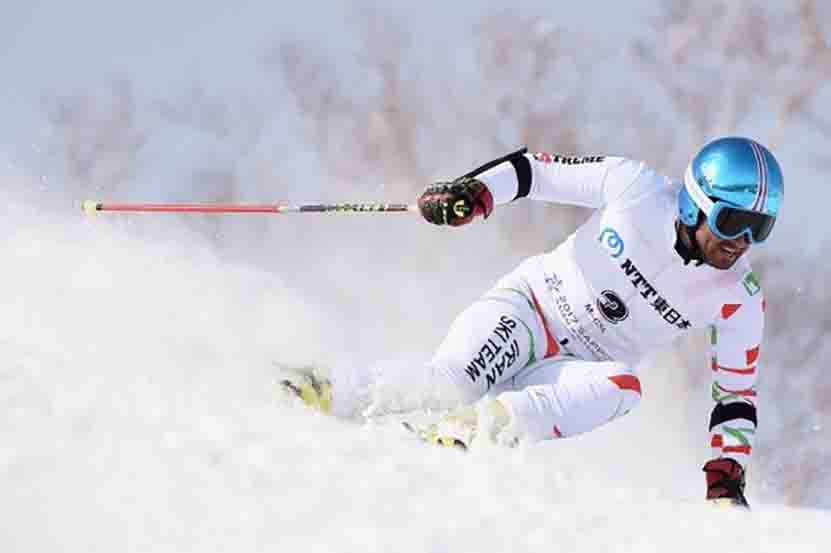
pixel 737 184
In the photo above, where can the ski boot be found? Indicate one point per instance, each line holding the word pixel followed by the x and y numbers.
pixel 459 428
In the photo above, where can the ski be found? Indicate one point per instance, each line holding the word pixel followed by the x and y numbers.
pixel 431 436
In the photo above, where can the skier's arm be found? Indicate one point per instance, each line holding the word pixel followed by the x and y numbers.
pixel 589 181
pixel 736 341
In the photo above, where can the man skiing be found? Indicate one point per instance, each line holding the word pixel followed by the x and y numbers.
pixel 551 350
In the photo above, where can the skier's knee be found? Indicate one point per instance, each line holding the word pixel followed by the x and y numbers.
pixel 571 398
pixel 630 392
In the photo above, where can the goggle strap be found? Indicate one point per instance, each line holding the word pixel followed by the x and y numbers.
pixel 698 196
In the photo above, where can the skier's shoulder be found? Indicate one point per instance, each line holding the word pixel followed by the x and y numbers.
pixel 742 293
pixel 746 281
pixel 637 180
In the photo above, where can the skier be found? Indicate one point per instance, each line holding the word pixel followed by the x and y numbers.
pixel 551 350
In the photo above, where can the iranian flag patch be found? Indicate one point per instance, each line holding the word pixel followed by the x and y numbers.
pixel 751 284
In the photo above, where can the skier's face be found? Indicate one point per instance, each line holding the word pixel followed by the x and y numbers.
pixel 721 254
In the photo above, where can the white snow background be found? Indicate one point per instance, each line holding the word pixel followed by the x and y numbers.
pixel 140 413
pixel 138 401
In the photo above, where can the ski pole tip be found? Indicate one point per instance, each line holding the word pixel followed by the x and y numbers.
pixel 90 207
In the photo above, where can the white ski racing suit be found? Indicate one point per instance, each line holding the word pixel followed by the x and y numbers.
pixel 558 339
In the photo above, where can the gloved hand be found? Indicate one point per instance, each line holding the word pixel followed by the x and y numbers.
pixel 455 203
pixel 725 482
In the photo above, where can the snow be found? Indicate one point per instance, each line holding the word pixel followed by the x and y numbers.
pixel 139 413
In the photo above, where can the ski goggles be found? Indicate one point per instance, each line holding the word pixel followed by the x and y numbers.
pixel 727 221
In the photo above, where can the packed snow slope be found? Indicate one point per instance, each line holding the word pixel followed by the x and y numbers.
pixel 138 412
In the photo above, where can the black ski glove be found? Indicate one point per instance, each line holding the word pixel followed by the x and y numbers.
pixel 455 203
pixel 725 482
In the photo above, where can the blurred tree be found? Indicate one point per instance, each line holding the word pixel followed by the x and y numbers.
pixel 722 62
pixel 95 137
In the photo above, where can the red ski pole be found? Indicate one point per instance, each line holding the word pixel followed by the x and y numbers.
pixel 92 207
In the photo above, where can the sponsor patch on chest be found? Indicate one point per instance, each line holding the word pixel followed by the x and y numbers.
pixel 614 309
pixel 751 284
pixel 658 302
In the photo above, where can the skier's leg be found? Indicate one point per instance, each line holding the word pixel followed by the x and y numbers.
pixel 564 397
pixel 493 340
pixel 486 345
